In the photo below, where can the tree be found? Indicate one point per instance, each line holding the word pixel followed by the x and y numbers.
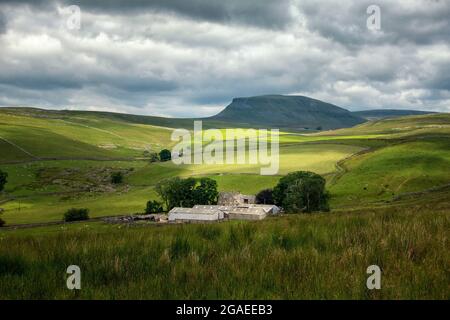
pixel 153 206
pixel 293 202
pixel 265 197
pixel 75 214
pixel 177 192
pixel 165 155
pixel 301 191
pixel 206 192
pixel 319 128
pixel 116 177
pixel 3 179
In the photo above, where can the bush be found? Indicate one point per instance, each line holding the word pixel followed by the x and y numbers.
pixel 264 197
pixel 2 222
pixel 76 215
pixel 153 206
pixel 116 177
pixel 3 179
pixel 154 157
pixel 165 155
pixel 301 191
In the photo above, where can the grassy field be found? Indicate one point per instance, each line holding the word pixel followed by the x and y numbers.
pixel 390 171
pixel 49 159
pixel 79 137
pixel 319 256
pixel 389 204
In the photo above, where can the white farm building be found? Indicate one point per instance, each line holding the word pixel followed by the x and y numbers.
pixel 195 214
pixel 217 212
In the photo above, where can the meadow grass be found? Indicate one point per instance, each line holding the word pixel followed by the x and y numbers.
pixel 397 126
pixel 320 158
pixel 48 208
pixel 317 256
pixel 80 136
pixel 390 171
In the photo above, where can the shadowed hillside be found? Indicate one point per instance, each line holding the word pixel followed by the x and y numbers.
pixel 296 112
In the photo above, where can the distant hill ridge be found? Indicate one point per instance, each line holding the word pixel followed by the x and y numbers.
pixel 266 111
pixel 296 112
pixel 377 114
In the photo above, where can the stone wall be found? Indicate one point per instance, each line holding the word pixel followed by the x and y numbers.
pixel 234 199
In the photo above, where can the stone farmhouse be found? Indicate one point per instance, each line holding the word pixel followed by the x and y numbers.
pixel 231 206
pixel 234 199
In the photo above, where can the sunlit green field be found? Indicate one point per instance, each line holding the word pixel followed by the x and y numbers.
pixel 369 163
pixel 391 171
pixel 78 137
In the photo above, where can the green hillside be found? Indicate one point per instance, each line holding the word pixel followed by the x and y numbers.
pixel 59 160
pixel 40 134
pixel 387 113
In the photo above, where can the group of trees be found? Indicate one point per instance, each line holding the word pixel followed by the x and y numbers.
pixel 163 155
pixel 178 192
pixel 300 191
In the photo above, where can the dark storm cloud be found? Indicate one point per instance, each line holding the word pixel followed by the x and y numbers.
pixel 259 13
pixel 191 57
pixel 263 13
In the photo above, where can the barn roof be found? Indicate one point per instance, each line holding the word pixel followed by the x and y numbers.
pixel 195 210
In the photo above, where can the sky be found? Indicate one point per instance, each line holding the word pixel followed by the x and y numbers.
pixel 190 58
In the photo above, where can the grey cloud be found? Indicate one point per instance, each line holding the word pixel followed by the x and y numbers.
pixel 272 14
pixel 259 13
pixel 420 22
pixel 160 57
pixel 2 22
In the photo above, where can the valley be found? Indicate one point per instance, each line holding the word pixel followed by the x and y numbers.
pixel 388 182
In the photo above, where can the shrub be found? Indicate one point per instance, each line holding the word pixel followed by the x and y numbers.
pixel 154 157
pixel 75 214
pixel 153 206
pixel 264 197
pixel 116 177
pixel 3 179
pixel 165 155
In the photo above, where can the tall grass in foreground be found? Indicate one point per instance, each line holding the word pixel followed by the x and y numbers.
pixel 321 256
